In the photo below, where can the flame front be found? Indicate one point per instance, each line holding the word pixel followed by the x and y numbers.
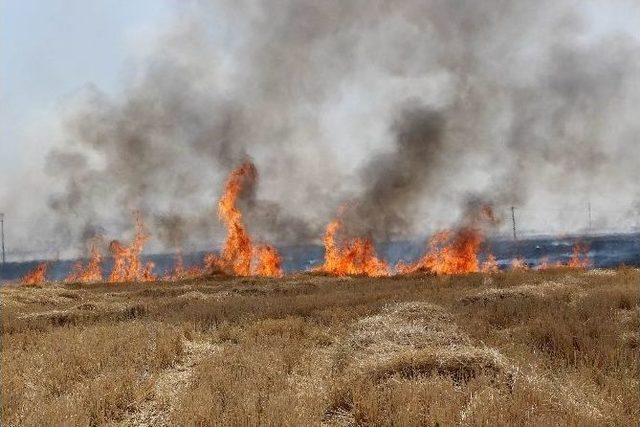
pixel 355 257
pixel 239 257
pixel 36 276
pixel 449 253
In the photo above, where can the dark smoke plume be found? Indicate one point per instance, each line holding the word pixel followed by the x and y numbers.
pixel 396 180
pixel 401 109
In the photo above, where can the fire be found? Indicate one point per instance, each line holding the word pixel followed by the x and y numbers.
pixel 268 262
pixel 127 266
pixel 580 257
pixel 180 272
pixel 91 273
pixel 456 251
pixel 239 256
pixel 545 264
pixel 490 265
pixel 36 276
pixel 519 264
pixel 354 257
pixel 449 253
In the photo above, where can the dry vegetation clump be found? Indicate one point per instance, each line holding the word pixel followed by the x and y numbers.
pixel 81 314
pixel 33 296
pixel 459 363
pixel 406 342
pixel 269 372
pixel 526 291
pixel 550 347
pixel 169 387
pixel 82 376
pixel 577 364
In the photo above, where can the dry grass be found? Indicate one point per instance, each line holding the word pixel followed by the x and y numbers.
pixel 82 376
pixel 532 348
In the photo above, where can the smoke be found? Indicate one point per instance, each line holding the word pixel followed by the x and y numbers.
pixel 394 180
pixel 401 109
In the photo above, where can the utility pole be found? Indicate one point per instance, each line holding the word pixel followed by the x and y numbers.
pixel 589 215
pixel 2 233
pixel 513 221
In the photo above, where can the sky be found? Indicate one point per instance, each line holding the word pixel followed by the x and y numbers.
pixel 50 50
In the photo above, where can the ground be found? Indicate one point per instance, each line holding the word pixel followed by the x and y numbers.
pixel 537 348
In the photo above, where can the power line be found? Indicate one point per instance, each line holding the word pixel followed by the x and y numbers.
pixel 513 221
pixel 2 232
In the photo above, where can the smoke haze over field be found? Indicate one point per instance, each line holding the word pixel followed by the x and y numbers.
pixel 401 110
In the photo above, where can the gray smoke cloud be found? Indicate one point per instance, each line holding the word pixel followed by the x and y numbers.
pixel 393 181
pixel 400 109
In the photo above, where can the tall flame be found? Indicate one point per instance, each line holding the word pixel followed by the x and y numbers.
pixel 127 266
pixel 354 257
pixel 236 254
pixel 239 257
pixel 36 276
pixel 580 256
pixel 90 273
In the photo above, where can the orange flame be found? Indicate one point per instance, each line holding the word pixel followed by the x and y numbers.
pixel 126 259
pixel 490 265
pixel 91 273
pixel 449 253
pixel 238 254
pixel 580 256
pixel 268 262
pixel 36 276
pixel 354 257
pixel 579 259
pixel 519 264
pixel 545 264
pixel 180 272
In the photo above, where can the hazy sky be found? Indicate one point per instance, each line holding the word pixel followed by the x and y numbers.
pixel 51 49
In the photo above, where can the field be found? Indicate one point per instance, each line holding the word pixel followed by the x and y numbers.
pixel 539 348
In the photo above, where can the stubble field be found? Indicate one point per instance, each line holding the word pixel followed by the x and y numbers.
pixel 539 348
